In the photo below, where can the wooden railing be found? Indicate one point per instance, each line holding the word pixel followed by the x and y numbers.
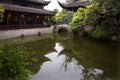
pixel 28 26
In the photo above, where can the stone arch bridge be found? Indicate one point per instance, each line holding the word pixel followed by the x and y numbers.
pixel 63 28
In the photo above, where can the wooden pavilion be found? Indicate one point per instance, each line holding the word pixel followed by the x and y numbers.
pixel 73 5
pixel 22 14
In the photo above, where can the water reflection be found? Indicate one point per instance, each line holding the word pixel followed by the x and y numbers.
pixel 58 47
pixel 60 68
pixel 54 70
pixel 72 58
pixel 94 73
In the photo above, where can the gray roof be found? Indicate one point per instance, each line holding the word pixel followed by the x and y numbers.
pixel 72 4
pixel 17 8
pixel 39 1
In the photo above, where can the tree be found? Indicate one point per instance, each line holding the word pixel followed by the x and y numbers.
pixel 103 13
pixel 78 18
pixel 63 17
pixel 67 16
pixel 110 15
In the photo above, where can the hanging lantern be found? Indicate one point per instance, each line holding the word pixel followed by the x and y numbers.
pixel 45 17
pixel 9 15
pixel 22 16
pixel 37 17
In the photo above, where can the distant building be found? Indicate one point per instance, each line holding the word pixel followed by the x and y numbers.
pixel 73 5
pixel 21 14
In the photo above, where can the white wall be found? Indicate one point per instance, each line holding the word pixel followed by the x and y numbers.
pixel 17 33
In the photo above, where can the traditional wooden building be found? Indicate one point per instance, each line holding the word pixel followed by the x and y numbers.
pixel 25 14
pixel 73 5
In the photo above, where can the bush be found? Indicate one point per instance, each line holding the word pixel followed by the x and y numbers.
pixel 13 62
pixel 97 33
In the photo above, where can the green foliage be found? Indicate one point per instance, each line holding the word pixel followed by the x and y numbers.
pixel 47 20
pixel 99 12
pixel 78 18
pixel 68 15
pixel 85 16
pixel 98 33
pixel 1 12
pixel 63 17
pixel 109 12
pixel 13 62
pixel 91 15
pixel 58 18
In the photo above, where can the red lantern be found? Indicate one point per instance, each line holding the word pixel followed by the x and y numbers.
pixel 22 16
pixel 45 17
pixel 37 17
pixel 9 15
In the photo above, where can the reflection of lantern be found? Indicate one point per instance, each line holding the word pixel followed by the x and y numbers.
pixel 9 15
pixel 37 17
pixel 22 16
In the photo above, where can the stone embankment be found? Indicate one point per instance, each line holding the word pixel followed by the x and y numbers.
pixel 4 34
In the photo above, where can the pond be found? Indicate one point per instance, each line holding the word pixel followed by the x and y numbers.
pixel 63 57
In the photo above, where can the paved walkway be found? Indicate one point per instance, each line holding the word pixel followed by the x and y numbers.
pixel 17 33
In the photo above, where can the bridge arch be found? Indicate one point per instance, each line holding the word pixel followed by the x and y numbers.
pixel 63 28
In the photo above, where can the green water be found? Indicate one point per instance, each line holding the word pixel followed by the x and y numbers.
pixel 63 57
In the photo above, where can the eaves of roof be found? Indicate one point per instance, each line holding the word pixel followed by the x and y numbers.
pixel 17 8
pixel 40 1
pixel 78 3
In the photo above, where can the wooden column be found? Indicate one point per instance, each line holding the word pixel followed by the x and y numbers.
pixel 7 21
pixel 35 20
pixel 20 20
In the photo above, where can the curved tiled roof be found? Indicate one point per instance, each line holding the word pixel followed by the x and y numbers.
pixel 39 1
pixel 75 3
pixel 17 8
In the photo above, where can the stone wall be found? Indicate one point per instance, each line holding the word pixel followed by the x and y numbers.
pixel 24 32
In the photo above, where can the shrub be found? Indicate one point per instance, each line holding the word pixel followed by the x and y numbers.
pixel 97 33
pixel 13 62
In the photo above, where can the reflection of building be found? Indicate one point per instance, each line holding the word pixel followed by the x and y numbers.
pixel 25 14
pixel 73 5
